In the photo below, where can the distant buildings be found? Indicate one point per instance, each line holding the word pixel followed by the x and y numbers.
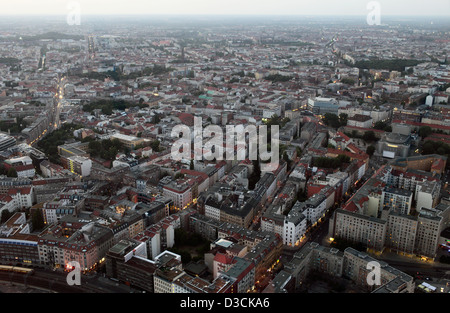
pixel 72 240
pixel 359 120
pixel 127 262
pixel 350 264
pixel 129 142
pixel 22 165
pixel 6 142
pixel 17 243
pixel 323 105
pixel 80 165
pixel 382 216
pixel 180 192
pixel 125 210
pixel 395 144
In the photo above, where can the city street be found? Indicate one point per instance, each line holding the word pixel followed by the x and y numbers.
pixel 55 281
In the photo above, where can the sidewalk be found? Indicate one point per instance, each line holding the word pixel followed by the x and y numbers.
pixel 393 256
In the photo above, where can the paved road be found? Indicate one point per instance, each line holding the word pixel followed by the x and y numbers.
pixel 56 282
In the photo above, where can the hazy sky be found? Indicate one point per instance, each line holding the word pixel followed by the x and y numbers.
pixel 226 7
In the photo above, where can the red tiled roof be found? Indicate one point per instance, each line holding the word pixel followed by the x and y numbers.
pixel 223 258
pixel 351 207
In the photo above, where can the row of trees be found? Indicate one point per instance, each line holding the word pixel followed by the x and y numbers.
pixel 435 147
pixel 11 172
pixel 382 126
pixel 14 128
pixel 276 120
pixel 278 78
pixel 49 144
pixel 108 106
pixel 118 75
pixel 335 121
pixel 37 219
pixel 9 61
pixel 391 65
pixel 368 136
pixel 105 149
pixel 326 162
pixel 425 131
pixel 51 35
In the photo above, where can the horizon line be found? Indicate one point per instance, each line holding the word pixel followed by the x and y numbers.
pixel 216 14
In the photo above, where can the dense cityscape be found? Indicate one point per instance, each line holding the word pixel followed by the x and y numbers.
pixel 89 182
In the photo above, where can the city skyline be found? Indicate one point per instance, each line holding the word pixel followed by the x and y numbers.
pixel 134 148
pixel 232 7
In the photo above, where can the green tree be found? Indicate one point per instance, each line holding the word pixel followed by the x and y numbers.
pixel 369 136
pixel 438 147
pixel 11 172
pixel 2 170
pixel 325 162
pixel 155 145
pixel 5 216
pixel 370 150
pixel 179 175
pixel 94 148
pixel 348 81
pixel 332 120
pixel 156 119
pixel 380 125
pixel 343 118
pixel 425 131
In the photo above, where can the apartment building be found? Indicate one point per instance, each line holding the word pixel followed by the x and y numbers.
pixel 242 272
pixel 206 227
pixel 23 197
pixel 401 232
pixel 180 191
pixel 427 194
pixel 397 199
pixel 74 240
pixel 80 165
pixel 303 214
pixel 126 261
pixel 7 183
pixel 356 227
pixel 430 224
pixel 273 219
pixel 23 165
pixel 294 228
pixel 355 267
pixel 348 264
pixel 313 256
pixel 17 244
pixel 360 120
pixel 159 236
